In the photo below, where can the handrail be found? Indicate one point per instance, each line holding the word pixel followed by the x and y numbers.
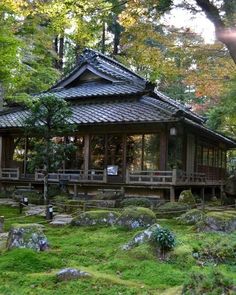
pixel 10 173
pixel 73 175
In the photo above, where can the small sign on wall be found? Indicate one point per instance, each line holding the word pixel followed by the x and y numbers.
pixel 112 170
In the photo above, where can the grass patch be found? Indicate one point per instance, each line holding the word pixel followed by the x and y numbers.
pixel 98 251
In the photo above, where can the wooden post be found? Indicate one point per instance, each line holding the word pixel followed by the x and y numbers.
pixel 124 164
pixel 203 197
pixel 163 150
pixel 174 176
pixel 172 194
pixel 127 176
pixel 75 190
pixel 221 194
pixel 213 191
pixel 86 156
pixel 25 156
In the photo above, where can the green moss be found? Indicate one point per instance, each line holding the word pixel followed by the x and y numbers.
pixel 182 256
pixel 27 260
pixel 142 202
pixel 98 251
pixel 135 212
pixel 100 214
pixel 171 209
pixel 27 225
pixel 94 218
pixel 186 197
pixel 191 217
pixel 214 283
pixel 223 215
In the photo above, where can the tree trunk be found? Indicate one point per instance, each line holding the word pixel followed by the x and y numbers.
pixel 59 50
pixel 61 53
pixel 103 37
pixel 45 185
pixel 225 35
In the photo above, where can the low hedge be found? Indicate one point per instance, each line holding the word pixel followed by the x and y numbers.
pixel 138 202
pixel 171 209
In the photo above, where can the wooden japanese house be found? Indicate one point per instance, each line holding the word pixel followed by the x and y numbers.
pixel 130 135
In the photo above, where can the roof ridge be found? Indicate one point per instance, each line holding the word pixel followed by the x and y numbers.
pixel 153 103
pixel 114 61
pixel 180 106
pixel 12 110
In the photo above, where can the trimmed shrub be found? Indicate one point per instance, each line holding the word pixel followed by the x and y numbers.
pixel 139 202
pixel 164 239
pixel 134 217
pixel 96 218
pixel 34 197
pixel 171 209
pixel 213 283
pixel 109 195
pixel 186 197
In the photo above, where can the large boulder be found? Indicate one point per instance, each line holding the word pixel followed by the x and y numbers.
pixel 94 218
pixel 191 217
pixel 186 197
pixel 218 222
pixel 141 237
pixel 135 217
pixel 67 274
pixel 27 236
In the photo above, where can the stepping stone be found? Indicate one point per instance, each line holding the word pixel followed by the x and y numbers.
pixel 61 219
pixel 35 210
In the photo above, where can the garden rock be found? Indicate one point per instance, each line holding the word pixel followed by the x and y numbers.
pixel 61 220
pixel 8 202
pixel 27 236
pixel 141 238
pixel 93 218
pixel 68 274
pixel 35 210
pixel 135 217
pixel 191 217
pixel 218 222
pixel 186 197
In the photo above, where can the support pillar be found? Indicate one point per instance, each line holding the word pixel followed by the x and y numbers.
pixel 172 194
pixel 75 190
pixel 203 197
pixel 213 192
pixel 221 194
pixel 86 155
pixel 25 156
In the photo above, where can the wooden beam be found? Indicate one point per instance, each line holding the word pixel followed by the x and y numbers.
pixel 86 154
pixel 25 155
pixel 172 194
pixel 163 150
pixel 124 164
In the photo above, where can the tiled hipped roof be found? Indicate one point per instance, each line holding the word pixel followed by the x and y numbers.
pixel 118 96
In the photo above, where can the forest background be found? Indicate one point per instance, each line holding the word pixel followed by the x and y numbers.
pixel 40 40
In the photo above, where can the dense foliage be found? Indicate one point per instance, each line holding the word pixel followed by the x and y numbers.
pixel 48 121
pixel 163 238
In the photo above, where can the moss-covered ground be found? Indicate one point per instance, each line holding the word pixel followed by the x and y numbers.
pixel 98 251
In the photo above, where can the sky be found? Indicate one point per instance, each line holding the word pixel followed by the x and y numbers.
pixel 198 23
